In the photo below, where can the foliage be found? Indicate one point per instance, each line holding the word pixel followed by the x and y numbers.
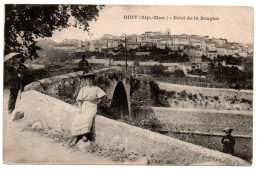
pixel 56 56
pixel 204 58
pixel 146 119
pixel 167 73
pixel 178 73
pixel 230 60
pixel 140 93
pixel 233 76
pixel 196 72
pixel 200 82
pixel 104 109
pixel 157 54
pixel 217 77
pixel 68 91
pixel 24 24
pixel 158 97
pixel 157 70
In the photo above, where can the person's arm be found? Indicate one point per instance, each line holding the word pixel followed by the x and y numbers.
pixel 96 101
pixel 99 100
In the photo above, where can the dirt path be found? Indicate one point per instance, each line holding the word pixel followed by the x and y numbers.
pixel 26 147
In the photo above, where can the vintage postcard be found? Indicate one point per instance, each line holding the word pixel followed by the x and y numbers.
pixel 128 84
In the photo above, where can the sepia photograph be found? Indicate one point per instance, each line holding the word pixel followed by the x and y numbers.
pixel 128 84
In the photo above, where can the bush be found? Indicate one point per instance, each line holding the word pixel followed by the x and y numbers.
pixel 196 72
pixel 167 74
pixel 179 73
pixel 216 98
pixel 157 70
pixel 136 63
pixel 183 94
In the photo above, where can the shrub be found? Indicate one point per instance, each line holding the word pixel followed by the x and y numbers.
pixel 183 94
pixel 179 73
pixel 157 70
pixel 216 98
pixel 196 72
pixel 243 100
pixel 195 97
pixel 167 74
pixel 190 96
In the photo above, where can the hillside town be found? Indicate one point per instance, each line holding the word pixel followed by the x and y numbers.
pixel 194 45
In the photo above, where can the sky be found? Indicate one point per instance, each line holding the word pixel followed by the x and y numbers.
pixel 234 23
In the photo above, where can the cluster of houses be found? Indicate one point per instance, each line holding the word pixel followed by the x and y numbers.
pixel 193 45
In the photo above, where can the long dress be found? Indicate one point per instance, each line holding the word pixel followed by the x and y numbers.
pixel 82 122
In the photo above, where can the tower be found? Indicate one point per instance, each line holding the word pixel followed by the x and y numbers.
pixel 168 31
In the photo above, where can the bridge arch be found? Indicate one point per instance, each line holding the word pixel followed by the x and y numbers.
pixel 120 99
pixel 115 81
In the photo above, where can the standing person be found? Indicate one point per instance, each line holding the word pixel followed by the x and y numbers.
pixel 228 142
pixel 88 98
pixel 24 73
pixel 83 64
pixel 16 73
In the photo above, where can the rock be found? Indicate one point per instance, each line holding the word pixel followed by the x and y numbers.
pixel 37 126
pixel 46 131
pixel 121 147
pixel 18 115
pixel 118 156
pixel 52 132
pixel 83 146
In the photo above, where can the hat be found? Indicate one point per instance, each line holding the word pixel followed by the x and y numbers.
pixel 88 75
pixel 227 130
pixel 11 55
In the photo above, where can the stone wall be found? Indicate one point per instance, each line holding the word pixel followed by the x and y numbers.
pixel 183 96
pixel 156 148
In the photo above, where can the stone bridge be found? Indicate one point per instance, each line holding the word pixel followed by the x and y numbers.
pixel 115 81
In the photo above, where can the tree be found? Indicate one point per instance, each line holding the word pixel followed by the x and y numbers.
pixel 24 24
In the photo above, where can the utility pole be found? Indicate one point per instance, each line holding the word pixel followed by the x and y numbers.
pixel 125 54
